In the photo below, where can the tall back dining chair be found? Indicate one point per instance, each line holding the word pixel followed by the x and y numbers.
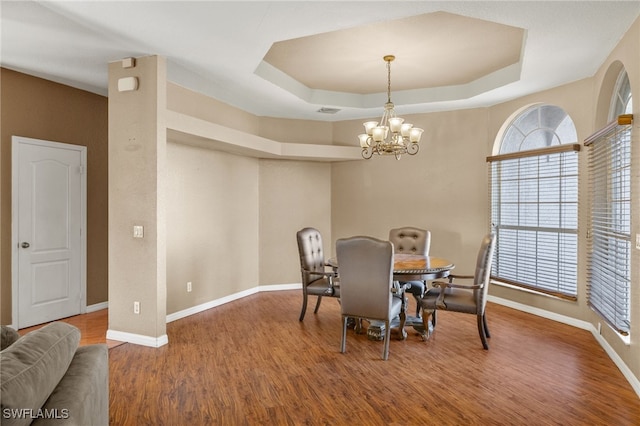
pixel 469 299
pixel 316 279
pixel 366 285
pixel 412 240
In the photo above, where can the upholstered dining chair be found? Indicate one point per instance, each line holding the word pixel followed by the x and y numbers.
pixel 469 299
pixel 411 240
pixel 316 279
pixel 366 285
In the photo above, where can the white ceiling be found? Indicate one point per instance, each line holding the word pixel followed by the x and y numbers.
pixel 219 48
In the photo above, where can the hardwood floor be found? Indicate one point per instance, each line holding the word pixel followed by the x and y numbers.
pixel 251 362
pixel 92 325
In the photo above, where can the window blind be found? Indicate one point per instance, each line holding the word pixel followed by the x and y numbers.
pixel 534 212
pixel 609 264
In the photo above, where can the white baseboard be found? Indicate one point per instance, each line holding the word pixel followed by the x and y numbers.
pixel 626 372
pixel 217 302
pixel 89 309
pixel 584 325
pixel 138 339
pixel 97 307
pixel 211 304
pixel 280 287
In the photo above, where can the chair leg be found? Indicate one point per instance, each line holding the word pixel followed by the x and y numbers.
pixel 418 305
pixel 481 331
pixel 427 324
pixel 343 342
pixel 315 311
pixel 304 306
pixel 387 337
pixel 486 329
pixel 403 320
pixel 433 318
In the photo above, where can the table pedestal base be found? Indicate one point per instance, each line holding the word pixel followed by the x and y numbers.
pixel 418 325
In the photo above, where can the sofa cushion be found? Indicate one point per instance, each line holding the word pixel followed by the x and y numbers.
pixel 82 396
pixel 7 337
pixel 31 368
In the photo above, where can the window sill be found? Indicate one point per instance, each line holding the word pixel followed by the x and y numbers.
pixel 626 340
pixel 530 291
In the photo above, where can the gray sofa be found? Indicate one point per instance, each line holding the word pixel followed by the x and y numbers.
pixel 48 379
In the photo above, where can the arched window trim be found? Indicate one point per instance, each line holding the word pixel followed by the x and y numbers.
pixel 521 124
pixel 621 99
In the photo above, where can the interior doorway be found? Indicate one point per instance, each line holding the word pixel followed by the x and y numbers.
pixel 48 231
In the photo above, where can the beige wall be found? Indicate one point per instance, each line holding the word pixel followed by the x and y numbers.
pixel 442 189
pixel 197 105
pixel 232 220
pixel 293 195
pixel 37 108
pixel 296 131
pixel 212 225
pixel 138 197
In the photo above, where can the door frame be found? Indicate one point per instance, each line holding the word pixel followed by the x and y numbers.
pixel 15 142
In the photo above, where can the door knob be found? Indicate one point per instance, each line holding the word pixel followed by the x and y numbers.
pixel 25 245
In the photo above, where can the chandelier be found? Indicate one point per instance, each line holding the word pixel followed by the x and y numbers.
pixel 392 136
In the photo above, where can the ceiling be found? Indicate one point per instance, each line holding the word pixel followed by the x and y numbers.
pixel 290 59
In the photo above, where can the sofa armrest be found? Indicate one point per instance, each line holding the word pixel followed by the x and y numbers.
pixel 8 337
pixel 82 396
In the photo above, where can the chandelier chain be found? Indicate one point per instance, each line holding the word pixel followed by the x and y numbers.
pixel 388 81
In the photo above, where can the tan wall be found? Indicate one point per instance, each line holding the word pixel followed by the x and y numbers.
pixel 442 189
pixel 186 101
pixel 37 108
pixel 293 195
pixel 138 197
pixel 212 225
pixel 296 131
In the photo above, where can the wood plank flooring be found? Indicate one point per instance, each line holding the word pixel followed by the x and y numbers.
pixel 250 362
pixel 93 327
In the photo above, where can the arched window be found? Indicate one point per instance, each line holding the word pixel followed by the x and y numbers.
pixel 539 126
pixel 621 102
pixel 534 202
pixel 609 262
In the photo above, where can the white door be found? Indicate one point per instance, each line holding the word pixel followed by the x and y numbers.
pixel 49 192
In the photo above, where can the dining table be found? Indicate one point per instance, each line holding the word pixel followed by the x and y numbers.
pixel 410 267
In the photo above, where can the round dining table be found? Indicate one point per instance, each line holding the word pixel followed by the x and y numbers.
pixel 412 267
pixel 409 267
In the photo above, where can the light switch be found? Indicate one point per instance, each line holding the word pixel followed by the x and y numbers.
pixel 638 241
pixel 138 231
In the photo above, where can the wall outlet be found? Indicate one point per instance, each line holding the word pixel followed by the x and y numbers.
pixel 138 231
pixel 189 287
pixel 638 241
pixel 136 307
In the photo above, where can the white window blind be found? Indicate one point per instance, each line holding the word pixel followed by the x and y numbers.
pixel 534 211
pixel 609 264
